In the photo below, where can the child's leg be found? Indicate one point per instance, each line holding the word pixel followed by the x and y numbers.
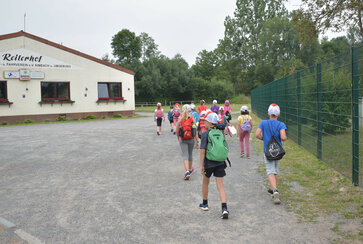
pixel 220 187
pixel 272 180
pixel 247 141
pixel 205 187
pixel 186 165
pixel 241 141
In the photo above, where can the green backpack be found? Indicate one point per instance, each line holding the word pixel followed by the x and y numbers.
pixel 217 147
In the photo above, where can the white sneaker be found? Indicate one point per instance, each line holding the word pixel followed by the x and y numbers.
pixel 276 197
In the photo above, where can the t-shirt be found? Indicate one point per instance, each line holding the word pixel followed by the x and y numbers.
pixel 195 115
pixel 170 115
pixel 227 108
pixel 242 117
pixel 202 108
pixel 275 128
pixel 215 108
pixel 203 145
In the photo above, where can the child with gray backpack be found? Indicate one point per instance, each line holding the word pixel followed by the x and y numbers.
pixel 213 153
pixel 244 128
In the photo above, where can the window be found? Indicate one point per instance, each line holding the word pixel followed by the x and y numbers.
pixel 3 91
pixel 55 91
pixel 108 90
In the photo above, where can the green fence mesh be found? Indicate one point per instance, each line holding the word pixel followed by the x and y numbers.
pixel 322 107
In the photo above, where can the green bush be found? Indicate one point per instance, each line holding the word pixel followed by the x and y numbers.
pixel 117 116
pixel 47 121
pixel 104 117
pixel 61 118
pixel 89 117
pixel 28 121
pixel 4 123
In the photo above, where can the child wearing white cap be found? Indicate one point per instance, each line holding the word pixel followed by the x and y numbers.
pixel 209 167
pixel 215 107
pixel 265 131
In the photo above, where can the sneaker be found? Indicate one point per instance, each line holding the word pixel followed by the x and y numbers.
pixel 270 191
pixel 203 207
pixel 191 170
pixel 276 197
pixel 187 175
pixel 174 132
pixel 248 157
pixel 224 213
pixel 158 133
pixel 242 155
pixel 171 130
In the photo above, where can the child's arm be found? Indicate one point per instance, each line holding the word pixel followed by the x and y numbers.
pixel 238 127
pixel 202 156
pixel 259 134
pixel 283 135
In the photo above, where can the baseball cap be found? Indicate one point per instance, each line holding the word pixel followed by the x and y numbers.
pixel 203 113
pixel 186 107
pixel 214 101
pixel 244 108
pixel 227 101
pixel 212 118
pixel 159 104
pixel 192 106
pixel 177 104
pixel 274 109
pixel 221 108
pixel 171 106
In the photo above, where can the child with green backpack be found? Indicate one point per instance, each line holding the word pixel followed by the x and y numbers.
pixel 213 153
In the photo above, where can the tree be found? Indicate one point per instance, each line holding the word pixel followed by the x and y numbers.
pixel 126 47
pixel 149 49
pixel 334 15
pixel 205 65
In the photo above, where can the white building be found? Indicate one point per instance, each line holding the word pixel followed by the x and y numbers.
pixel 42 80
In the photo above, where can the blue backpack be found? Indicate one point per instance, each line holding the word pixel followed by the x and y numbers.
pixel 222 125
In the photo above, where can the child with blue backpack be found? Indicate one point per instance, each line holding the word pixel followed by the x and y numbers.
pixel 171 118
pixel 244 127
pixel 213 153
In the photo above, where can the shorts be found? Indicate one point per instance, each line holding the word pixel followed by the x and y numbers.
pixel 171 121
pixel 158 121
pixel 217 171
pixel 272 166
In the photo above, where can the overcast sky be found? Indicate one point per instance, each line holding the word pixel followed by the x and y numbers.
pixel 184 27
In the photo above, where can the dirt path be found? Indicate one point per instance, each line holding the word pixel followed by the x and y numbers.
pixel 117 182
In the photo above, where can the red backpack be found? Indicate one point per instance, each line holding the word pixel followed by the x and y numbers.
pixel 176 112
pixel 186 129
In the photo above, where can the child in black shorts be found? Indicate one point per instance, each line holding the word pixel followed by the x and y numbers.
pixel 208 167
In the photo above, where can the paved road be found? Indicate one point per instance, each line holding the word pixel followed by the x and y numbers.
pixel 115 181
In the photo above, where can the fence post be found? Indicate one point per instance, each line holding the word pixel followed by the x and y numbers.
pixel 355 117
pixel 285 100
pixel 299 107
pixel 319 125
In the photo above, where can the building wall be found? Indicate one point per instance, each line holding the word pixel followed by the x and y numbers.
pixel 88 77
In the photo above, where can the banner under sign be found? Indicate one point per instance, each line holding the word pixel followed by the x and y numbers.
pixel 26 59
pixel 16 75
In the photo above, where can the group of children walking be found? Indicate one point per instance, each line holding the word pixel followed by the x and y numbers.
pixel 205 129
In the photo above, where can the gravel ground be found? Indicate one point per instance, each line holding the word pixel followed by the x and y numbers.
pixel 116 181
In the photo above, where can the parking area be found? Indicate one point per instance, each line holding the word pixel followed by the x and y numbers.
pixel 115 181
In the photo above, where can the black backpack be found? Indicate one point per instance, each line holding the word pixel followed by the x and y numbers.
pixel 274 150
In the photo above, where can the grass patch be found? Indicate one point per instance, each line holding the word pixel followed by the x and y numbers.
pixel 321 189
pixel 69 121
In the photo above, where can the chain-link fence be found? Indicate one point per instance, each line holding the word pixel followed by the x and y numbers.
pixel 322 107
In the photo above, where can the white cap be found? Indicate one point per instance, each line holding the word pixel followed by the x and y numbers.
pixel 221 108
pixel 192 106
pixel 274 109
pixel 212 118
pixel 203 113
pixel 214 101
pixel 244 109
pixel 186 107
pixel 159 104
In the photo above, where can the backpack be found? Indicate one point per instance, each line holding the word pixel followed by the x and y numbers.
pixel 186 131
pixel 222 124
pixel 228 116
pixel 159 113
pixel 176 112
pixel 246 125
pixel 217 147
pixel 170 115
pixel 274 150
